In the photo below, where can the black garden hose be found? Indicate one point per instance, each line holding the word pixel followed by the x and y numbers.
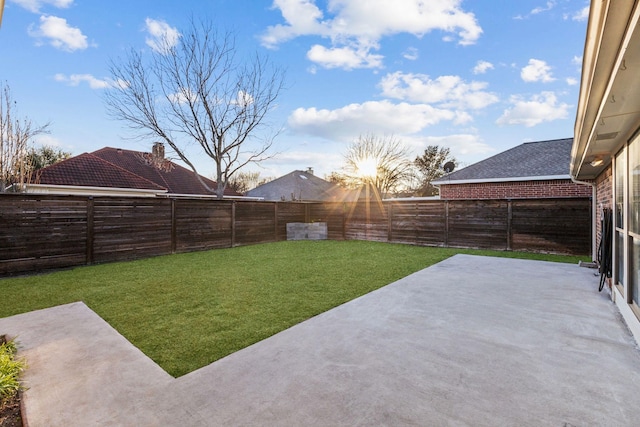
pixel 604 250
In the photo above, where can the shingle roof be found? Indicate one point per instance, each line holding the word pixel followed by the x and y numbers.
pixel 87 170
pixel 299 185
pixel 528 160
pixel 119 168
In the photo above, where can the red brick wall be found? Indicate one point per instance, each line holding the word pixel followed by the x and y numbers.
pixel 604 198
pixel 516 190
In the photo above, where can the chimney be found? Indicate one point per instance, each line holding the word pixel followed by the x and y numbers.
pixel 158 151
pixel 310 170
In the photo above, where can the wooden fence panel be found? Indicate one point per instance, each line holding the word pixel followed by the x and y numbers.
pixel 289 212
pixel 418 222
pixel 554 225
pixel 333 213
pixel 478 224
pixel 403 222
pixel 255 222
pixel 202 224
pixel 126 228
pixel 39 233
pixel 431 223
pixel 366 221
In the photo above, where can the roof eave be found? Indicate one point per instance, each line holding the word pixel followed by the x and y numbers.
pixel 494 180
pixel 609 104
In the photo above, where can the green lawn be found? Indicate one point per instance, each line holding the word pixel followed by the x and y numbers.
pixel 188 310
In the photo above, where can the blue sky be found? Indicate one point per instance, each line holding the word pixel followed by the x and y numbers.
pixel 478 77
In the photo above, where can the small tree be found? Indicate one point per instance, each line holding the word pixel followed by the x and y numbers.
pixel 429 167
pixel 245 181
pixel 198 89
pixel 15 137
pixel 38 158
pixel 379 161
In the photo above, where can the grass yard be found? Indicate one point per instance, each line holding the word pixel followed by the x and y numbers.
pixel 187 310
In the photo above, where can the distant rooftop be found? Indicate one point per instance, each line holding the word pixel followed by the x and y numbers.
pixel 300 185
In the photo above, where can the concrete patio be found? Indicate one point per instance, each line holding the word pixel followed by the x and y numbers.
pixel 471 341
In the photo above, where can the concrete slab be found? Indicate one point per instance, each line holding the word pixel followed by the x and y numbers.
pixel 471 341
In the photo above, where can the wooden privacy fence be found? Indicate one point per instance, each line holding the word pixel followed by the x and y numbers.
pixel 40 232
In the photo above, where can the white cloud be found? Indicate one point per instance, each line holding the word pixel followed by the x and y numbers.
pixel 162 36
pixel 411 54
pixel 581 15
pixel 537 71
pixel 382 117
pixel 47 140
pixel 360 24
pixel 183 97
pixel 93 82
pixel 543 107
pixel 35 5
pixel 482 67
pixel 59 34
pixel 550 5
pixel 464 145
pixel 343 57
pixel 449 91
pixel 572 81
pixel 577 60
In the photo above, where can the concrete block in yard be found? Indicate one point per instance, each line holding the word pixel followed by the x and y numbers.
pixel 307 231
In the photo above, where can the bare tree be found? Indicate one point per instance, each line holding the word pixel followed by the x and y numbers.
pixel 380 161
pixel 198 89
pixel 429 167
pixel 15 137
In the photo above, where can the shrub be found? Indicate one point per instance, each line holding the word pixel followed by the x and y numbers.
pixel 10 369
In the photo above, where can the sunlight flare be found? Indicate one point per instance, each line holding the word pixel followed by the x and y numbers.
pixel 367 168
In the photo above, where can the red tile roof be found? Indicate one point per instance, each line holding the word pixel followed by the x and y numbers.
pixel 118 168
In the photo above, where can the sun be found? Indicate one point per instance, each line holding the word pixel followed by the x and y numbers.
pixel 367 168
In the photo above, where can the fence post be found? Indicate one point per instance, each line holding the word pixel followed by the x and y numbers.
pixel 89 256
pixel 446 223
pixel 275 220
pixel 307 213
pixel 509 230
pixel 233 224
pixel 344 221
pixel 174 233
pixel 389 222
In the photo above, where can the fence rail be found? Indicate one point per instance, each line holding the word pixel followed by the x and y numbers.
pixel 40 232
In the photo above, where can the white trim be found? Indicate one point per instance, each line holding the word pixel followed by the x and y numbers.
pixel 210 196
pixel 627 313
pixel 411 199
pixel 510 179
pixel 78 190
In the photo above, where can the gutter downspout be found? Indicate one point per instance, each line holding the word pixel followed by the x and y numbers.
pixel 594 212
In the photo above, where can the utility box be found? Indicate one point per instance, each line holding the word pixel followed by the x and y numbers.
pixel 307 231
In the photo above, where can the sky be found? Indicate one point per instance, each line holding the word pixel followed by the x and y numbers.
pixel 478 77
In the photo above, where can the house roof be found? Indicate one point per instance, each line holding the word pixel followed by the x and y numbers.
pixel 299 185
pixel 88 170
pixel 529 161
pixel 119 168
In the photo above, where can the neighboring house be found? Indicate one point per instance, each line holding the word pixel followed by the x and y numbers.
pixel 301 186
pixel 530 170
pixel 606 148
pixel 114 171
